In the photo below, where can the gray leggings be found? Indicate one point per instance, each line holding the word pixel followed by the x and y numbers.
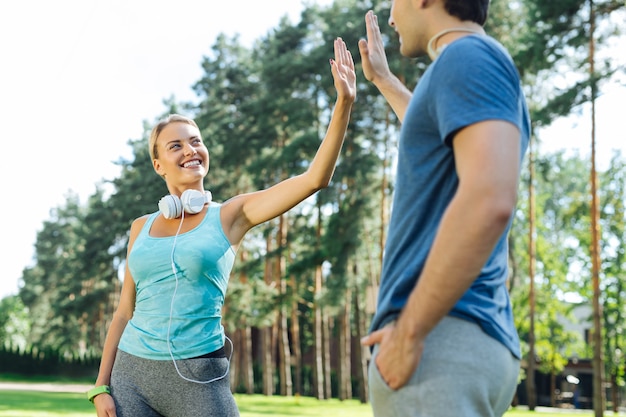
pixel 463 373
pixel 151 388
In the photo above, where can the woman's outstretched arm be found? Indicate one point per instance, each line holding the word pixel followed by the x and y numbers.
pixel 241 213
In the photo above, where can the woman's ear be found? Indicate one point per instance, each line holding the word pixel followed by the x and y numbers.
pixel 158 167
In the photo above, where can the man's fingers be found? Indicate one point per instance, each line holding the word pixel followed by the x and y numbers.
pixel 371 25
pixel 372 338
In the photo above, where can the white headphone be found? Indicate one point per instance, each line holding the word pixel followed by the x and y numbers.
pixel 192 201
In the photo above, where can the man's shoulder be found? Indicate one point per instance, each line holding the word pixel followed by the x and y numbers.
pixel 477 50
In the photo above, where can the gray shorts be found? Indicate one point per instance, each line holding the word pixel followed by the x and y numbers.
pixel 463 373
pixel 151 388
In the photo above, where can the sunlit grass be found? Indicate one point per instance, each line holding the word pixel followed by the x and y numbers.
pixel 263 406
pixel 15 403
pixel 57 404
pixel 44 404
pixel 551 412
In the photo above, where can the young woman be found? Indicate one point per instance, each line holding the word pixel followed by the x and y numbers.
pixel 165 351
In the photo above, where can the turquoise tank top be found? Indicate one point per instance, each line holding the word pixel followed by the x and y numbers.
pixel 203 260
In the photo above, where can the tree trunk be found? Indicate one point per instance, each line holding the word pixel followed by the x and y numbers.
pixel 598 365
pixel 295 335
pixel 318 367
pixel 318 326
pixel 384 190
pixel 531 390
pixel 345 339
pixel 361 352
pixel 326 330
pixel 247 363
pixel 614 396
pixel 552 388
pixel 267 338
pixel 235 368
pixel 245 344
pixel 268 366
pixel 284 355
pixel 284 352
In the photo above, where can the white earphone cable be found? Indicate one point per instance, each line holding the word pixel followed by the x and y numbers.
pixel 169 326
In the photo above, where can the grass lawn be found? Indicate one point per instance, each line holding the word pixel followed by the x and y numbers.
pixel 546 412
pixel 44 404
pixel 58 404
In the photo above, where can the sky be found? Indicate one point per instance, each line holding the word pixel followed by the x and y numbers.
pixel 79 78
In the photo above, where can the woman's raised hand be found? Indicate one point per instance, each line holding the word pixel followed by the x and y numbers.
pixel 343 71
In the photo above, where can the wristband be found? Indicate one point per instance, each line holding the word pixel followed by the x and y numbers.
pixel 102 389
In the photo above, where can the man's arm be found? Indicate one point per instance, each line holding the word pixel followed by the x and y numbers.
pixel 376 68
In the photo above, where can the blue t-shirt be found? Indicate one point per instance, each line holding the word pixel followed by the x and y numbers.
pixel 203 258
pixel 473 80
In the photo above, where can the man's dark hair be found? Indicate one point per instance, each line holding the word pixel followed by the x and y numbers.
pixel 473 10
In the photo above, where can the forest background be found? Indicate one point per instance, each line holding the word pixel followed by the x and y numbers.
pixel 303 290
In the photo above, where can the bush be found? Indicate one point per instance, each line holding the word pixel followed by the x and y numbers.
pixel 34 362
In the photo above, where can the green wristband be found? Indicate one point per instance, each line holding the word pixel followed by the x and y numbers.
pixel 102 389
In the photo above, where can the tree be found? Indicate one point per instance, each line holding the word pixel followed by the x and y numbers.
pixel 613 240
pixel 544 37
pixel 563 257
pixel 14 322
pixel 47 284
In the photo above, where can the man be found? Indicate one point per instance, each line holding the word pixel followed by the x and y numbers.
pixel 443 338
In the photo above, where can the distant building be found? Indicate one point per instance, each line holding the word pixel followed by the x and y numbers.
pixel 574 386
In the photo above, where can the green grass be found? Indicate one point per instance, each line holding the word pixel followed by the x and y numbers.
pixel 262 406
pixel 553 412
pixel 44 404
pixel 58 404
pixel 47 404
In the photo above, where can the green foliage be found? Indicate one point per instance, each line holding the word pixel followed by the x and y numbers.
pixel 255 304
pixel 14 322
pixel 33 362
pixel 613 235
pixel 562 276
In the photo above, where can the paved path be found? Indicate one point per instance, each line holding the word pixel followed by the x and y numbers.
pixel 48 387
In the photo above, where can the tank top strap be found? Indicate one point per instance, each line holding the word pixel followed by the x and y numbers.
pixel 213 213
pixel 145 230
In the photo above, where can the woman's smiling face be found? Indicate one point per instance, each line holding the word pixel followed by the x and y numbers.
pixel 182 156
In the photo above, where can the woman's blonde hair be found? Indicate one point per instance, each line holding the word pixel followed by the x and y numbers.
pixel 158 128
